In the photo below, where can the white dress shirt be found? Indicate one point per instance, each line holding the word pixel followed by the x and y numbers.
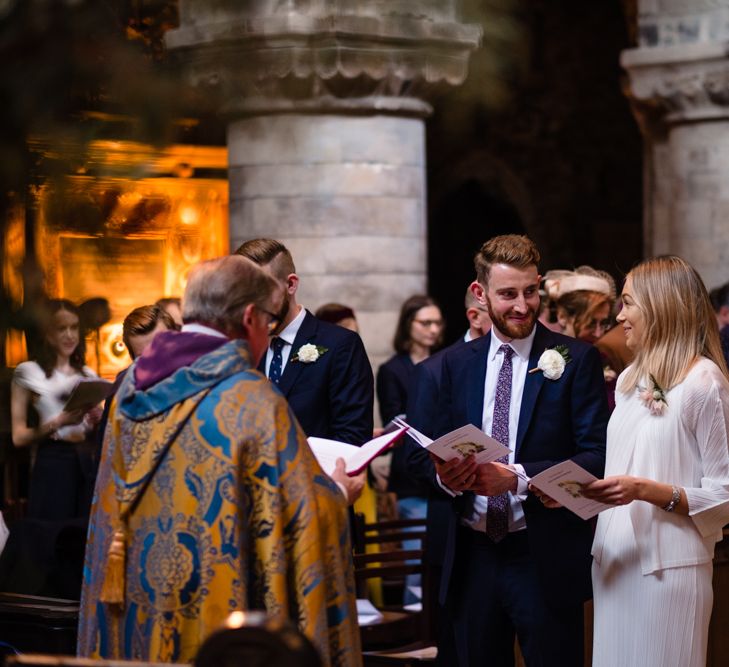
pixel 288 336
pixel 520 364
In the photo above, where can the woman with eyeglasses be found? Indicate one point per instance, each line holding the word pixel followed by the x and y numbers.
pixel 583 301
pixel 419 331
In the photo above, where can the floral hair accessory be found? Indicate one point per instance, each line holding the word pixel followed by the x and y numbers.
pixel 655 398
pixel 309 353
pixel 552 362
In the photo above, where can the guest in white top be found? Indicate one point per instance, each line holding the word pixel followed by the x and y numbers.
pixel 62 476
pixel 666 474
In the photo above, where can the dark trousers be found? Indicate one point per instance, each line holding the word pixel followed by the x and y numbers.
pixel 62 481
pixel 495 594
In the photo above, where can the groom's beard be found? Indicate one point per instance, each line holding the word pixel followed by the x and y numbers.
pixel 511 328
pixel 282 314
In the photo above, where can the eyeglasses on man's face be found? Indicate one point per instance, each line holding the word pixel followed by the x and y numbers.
pixel 274 320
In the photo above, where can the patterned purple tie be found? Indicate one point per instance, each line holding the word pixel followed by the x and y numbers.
pixel 497 519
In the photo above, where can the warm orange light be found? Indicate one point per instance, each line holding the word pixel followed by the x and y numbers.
pixel 188 215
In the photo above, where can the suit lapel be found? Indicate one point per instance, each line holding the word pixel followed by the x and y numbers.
pixel 532 384
pixel 477 380
pixel 306 334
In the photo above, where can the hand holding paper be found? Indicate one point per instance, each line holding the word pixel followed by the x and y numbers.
pixel 564 482
pixel 356 458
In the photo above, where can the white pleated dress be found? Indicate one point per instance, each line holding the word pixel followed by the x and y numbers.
pixel 652 569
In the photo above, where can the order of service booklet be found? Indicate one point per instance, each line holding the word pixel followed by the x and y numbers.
pixel 88 393
pixel 356 459
pixel 460 443
pixel 563 482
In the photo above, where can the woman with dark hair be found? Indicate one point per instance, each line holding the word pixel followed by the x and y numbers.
pixel 62 476
pixel 419 330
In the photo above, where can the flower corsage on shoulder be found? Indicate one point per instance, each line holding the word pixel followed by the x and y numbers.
pixel 309 353
pixel 655 398
pixel 553 361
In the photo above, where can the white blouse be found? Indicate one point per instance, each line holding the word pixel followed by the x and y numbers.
pixel 685 446
pixel 50 395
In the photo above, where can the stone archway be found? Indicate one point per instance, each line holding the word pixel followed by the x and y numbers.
pixel 478 198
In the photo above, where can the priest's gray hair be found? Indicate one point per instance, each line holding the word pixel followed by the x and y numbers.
pixel 218 291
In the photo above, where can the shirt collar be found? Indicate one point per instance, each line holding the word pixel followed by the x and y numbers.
pixel 288 335
pixel 196 327
pixel 521 346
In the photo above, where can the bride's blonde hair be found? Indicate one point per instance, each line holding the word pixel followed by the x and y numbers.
pixel 679 323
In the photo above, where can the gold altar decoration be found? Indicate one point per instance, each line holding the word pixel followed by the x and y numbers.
pixel 132 241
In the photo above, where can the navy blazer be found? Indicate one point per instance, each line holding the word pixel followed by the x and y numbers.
pixel 422 409
pixel 333 396
pixel 393 382
pixel 559 419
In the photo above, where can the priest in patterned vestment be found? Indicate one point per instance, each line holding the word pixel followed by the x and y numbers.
pixel 208 498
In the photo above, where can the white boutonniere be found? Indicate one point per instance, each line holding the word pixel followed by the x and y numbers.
pixel 654 399
pixel 309 353
pixel 552 362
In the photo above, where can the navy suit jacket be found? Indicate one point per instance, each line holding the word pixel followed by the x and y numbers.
pixel 422 410
pixel 559 419
pixel 332 397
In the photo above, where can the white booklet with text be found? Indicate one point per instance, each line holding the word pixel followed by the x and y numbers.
pixel 460 443
pixel 356 458
pixel 563 482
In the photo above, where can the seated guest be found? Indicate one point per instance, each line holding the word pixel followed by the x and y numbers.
pixel 208 499
pixel 62 476
pixel 336 313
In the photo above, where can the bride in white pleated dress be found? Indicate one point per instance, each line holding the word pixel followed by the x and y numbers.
pixel 666 473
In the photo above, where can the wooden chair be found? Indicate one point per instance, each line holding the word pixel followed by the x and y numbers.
pixel 393 638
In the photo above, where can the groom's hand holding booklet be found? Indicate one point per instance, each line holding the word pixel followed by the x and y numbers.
pixel 356 459
pixel 562 482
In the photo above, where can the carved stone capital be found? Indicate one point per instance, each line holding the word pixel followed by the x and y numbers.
pixel 679 83
pixel 252 64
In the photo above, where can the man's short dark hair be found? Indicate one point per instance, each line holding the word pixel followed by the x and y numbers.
pixel 512 249
pixel 142 321
pixel 269 251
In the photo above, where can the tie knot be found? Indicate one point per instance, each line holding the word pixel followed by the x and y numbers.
pixel 277 344
pixel 507 351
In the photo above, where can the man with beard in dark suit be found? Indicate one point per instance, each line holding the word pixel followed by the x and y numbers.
pixel 322 369
pixel 512 566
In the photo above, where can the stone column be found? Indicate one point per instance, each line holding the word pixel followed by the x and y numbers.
pixel 325 102
pixel 679 87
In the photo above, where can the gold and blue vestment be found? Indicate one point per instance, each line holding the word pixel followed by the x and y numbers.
pixel 238 515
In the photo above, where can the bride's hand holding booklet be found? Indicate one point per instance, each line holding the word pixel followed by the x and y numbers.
pixel 356 459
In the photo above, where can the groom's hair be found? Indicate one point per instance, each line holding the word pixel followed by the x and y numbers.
pixel 269 251
pixel 511 249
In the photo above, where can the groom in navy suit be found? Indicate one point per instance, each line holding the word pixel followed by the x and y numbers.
pixel 512 566
pixel 322 369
